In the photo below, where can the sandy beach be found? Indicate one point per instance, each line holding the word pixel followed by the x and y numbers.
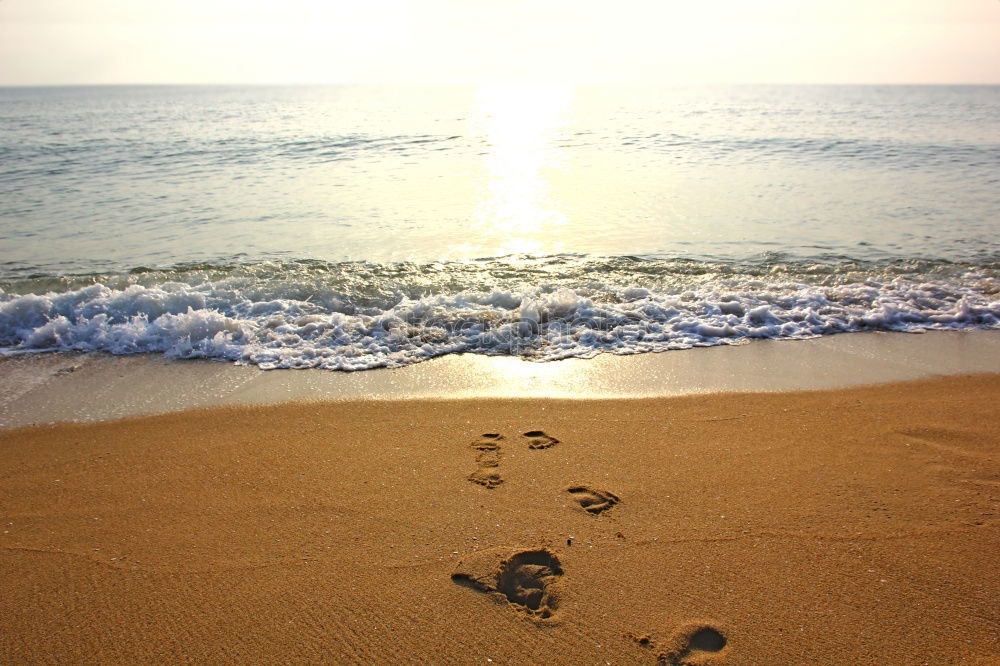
pixel 847 526
pixel 466 333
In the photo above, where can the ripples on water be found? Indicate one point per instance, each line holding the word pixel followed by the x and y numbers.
pixel 353 228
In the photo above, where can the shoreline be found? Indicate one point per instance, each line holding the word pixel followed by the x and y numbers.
pixel 853 525
pixel 56 387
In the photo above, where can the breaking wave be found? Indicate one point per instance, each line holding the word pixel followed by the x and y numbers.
pixel 357 316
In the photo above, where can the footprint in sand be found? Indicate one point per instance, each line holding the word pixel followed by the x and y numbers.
pixel 487 442
pixel 593 500
pixel 693 644
pixel 484 476
pixel 539 440
pixel 525 579
pixel 488 459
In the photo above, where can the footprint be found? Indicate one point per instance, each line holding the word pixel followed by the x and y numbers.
pixel 692 644
pixel 539 440
pixel 593 500
pixel 525 579
pixel 488 459
pixel 487 442
pixel 486 476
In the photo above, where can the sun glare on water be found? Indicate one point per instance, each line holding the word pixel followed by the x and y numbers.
pixel 519 124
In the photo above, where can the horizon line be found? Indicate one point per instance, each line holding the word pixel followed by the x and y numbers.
pixel 630 84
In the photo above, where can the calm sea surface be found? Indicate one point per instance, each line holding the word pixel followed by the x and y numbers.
pixel 361 227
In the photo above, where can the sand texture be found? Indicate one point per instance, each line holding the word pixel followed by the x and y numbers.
pixel 855 526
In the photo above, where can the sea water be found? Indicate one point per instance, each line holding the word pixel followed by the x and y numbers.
pixel 360 227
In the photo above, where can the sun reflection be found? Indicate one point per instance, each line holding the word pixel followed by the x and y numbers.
pixel 510 376
pixel 519 123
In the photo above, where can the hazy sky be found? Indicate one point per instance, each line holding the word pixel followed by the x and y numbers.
pixel 652 41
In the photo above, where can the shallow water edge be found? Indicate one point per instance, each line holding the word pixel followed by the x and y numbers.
pixel 46 388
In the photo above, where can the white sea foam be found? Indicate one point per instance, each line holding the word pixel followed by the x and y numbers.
pixel 357 324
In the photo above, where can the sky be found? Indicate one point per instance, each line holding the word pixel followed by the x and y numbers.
pixel 51 42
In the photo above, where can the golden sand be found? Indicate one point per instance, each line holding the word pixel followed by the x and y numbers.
pixel 840 527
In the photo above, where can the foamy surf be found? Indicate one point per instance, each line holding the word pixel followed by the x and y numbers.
pixel 358 316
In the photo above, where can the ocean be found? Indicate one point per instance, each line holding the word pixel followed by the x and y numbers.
pixel 351 228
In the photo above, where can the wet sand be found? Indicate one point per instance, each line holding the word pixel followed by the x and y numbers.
pixel 46 388
pixel 847 526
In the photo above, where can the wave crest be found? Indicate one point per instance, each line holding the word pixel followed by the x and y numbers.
pixel 356 317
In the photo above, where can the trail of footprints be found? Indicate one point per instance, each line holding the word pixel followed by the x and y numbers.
pixel 487 474
pixel 488 454
pixel 528 579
